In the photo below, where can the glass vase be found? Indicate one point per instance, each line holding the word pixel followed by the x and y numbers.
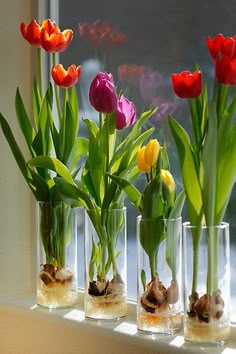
pixel 56 255
pixel 105 264
pixel 206 283
pixel 159 276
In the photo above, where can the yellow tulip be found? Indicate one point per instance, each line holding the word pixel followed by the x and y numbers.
pixel 142 165
pixel 152 152
pixel 167 178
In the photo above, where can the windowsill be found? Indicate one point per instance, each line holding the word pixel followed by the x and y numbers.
pixel 26 328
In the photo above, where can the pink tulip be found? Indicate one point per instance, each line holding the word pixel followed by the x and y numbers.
pixel 126 113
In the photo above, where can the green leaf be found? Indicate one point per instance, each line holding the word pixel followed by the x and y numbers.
pixel 226 174
pixel 153 203
pixel 44 128
pixel 73 193
pixel 176 211
pixel 96 162
pixel 209 167
pixel 57 143
pixel 16 151
pixel 79 149
pixel 69 134
pixel 188 171
pixel 143 279
pixel 36 103
pixel 132 192
pixel 173 230
pixel 151 234
pixel 74 105
pixel 23 119
pixel 53 164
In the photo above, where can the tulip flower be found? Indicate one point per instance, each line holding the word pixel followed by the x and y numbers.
pixel 32 32
pixel 65 78
pixel 187 84
pixel 142 165
pixel 56 41
pixel 126 113
pixel 152 152
pixel 225 70
pixel 102 93
pixel 223 45
pixel 168 179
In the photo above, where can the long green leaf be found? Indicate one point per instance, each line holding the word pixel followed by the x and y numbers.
pixel 16 151
pixel 209 167
pixel 69 134
pixel 23 119
pixel 80 148
pixel 53 164
pixel 132 192
pixel 188 172
pixel 73 194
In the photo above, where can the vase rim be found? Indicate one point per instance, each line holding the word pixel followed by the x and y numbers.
pixel 139 217
pixel 221 225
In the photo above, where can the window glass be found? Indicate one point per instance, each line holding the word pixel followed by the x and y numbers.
pixel 153 40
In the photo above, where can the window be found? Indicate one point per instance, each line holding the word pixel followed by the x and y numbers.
pixel 162 37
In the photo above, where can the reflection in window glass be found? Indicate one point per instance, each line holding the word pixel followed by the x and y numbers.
pixel 142 46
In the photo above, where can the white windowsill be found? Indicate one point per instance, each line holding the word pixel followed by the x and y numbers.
pixel 26 328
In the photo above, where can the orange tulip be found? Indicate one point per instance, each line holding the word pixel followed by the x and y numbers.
pixel 65 78
pixel 56 41
pixel 142 165
pixel 32 32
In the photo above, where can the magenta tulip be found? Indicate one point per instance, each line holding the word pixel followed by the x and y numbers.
pixel 126 113
pixel 102 93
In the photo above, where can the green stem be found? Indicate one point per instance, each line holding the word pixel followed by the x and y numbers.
pixel 196 236
pixel 196 124
pixel 57 91
pixel 212 265
pixel 113 258
pixel 40 73
pixel 107 152
pixel 153 264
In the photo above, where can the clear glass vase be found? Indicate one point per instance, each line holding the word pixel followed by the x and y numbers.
pixel 105 264
pixel 206 283
pixel 159 277
pixel 56 255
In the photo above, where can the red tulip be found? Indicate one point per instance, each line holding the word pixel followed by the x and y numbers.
pixel 126 113
pixel 65 78
pixel 56 41
pixel 225 70
pixel 187 84
pixel 102 93
pixel 32 32
pixel 222 45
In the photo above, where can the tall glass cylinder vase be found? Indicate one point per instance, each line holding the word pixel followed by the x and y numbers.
pixel 206 283
pixel 159 297
pixel 105 264
pixel 56 255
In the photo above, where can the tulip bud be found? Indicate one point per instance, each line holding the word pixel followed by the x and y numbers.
pixel 142 165
pixel 152 152
pixel 167 178
pixel 102 93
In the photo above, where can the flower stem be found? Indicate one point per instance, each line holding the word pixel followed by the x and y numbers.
pixel 212 270
pixel 40 72
pixel 56 91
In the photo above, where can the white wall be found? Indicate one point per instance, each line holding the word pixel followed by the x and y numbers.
pixel 17 204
